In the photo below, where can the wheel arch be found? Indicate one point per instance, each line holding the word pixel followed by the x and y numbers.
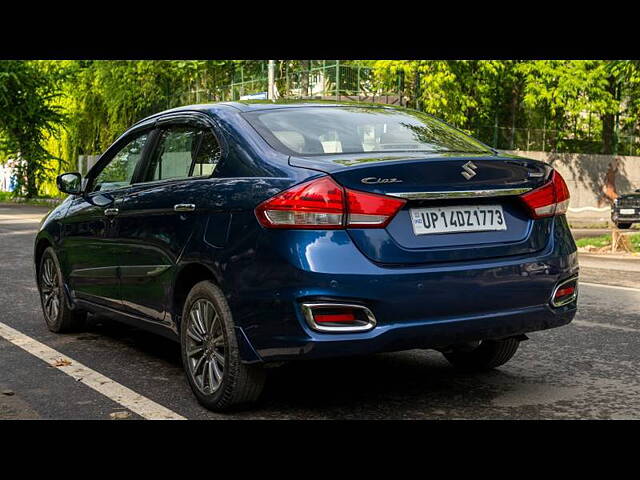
pixel 41 245
pixel 186 277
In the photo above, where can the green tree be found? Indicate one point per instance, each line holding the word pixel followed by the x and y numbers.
pixel 27 94
pixel 563 92
pixel 107 96
pixel 465 93
pixel 581 105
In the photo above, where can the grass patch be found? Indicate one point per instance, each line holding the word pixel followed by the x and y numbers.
pixel 579 224
pixel 605 240
pixel 601 241
pixel 7 197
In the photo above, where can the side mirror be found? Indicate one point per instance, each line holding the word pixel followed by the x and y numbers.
pixel 70 183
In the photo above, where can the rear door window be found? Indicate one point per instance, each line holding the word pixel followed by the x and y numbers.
pixel 208 156
pixel 183 152
pixel 174 154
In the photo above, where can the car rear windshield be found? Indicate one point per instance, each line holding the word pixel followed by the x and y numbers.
pixel 332 130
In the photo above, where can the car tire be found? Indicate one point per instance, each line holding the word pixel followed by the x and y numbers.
pixel 623 226
pixel 489 354
pixel 57 312
pixel 210 353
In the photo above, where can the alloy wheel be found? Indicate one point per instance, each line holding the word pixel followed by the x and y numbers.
pixel 50 290
pixel 205 346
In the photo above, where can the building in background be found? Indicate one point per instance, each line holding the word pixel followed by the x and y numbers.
pixel 7 182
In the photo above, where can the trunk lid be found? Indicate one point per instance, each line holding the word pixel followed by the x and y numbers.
pixel 467 181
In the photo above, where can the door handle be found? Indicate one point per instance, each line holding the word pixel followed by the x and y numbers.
pixel 184 207
pixel 111 212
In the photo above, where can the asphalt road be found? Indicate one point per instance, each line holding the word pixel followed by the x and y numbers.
pixel 588 369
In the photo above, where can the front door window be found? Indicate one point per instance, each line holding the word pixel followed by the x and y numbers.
pixel 119 171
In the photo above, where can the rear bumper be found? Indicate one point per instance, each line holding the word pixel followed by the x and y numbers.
pixel 430 333
pixel 415 307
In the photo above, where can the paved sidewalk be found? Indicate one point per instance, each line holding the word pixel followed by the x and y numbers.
pixel 621 270
pixel 627 263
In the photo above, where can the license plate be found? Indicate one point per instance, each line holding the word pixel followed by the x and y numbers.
pixel 627 211
pixel 461 218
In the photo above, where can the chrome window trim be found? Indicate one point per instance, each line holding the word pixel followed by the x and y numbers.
pixel 568 299
pixel 307 311
pixel 498 192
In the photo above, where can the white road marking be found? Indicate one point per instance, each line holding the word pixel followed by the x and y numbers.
pixel 19 232
pixel 588 209
pixel 610 286
pixel 583 323
pixel 11 221
pixel 126 397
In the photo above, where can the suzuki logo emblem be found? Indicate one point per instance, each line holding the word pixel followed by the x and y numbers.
pixel 469 170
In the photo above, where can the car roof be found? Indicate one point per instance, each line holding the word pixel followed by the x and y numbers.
pixel 256 105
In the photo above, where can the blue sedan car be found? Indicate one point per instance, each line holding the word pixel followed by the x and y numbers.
pixel 256 233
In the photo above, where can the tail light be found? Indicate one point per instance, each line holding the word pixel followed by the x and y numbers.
pixel 550 199
pixel 370 210
pixel 323 204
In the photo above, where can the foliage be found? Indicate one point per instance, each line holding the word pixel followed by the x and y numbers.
pixel 29 116
pixel 461 92
pixel 54 111
pixel 108 96
pixel 578 99
pixel 563 92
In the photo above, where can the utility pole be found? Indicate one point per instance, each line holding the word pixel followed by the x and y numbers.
pixel 338 80
pixel 271 89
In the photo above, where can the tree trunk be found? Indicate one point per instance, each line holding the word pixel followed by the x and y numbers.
pixel 608 131
pixel 281 79
pixel 514 111
pixel 30 169
pixel 416 87
pixel 306 66
pixel 608 124
pixel 609 193
pixel 32 188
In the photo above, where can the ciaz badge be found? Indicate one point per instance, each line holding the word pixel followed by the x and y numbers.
pixel 374 180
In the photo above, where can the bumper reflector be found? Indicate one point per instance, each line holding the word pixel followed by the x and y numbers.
pixel 338 317
pixel 335 318
pixel 565 292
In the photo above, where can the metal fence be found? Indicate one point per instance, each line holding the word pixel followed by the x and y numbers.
pixel 337 80
pixel 549 140
pixel 322 80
